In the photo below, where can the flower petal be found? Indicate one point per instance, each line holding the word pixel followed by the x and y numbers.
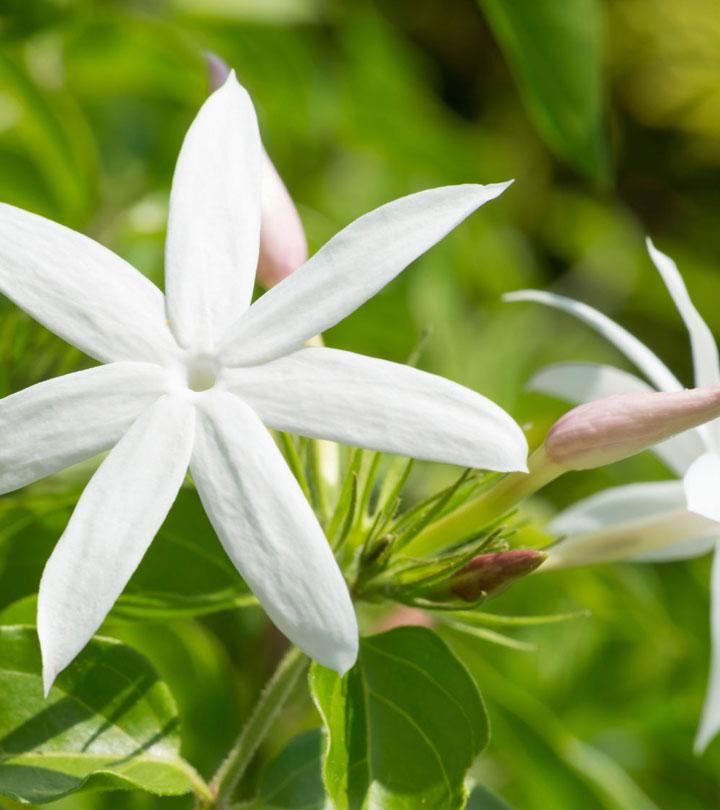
pixel 348 270
pixel 584 382
pixel 704 348
pixel 710 721
pixel 702 342
pixel 80 290
pixel 636 351
pixel 385 406
pixel 213 234
pixel 637 521
pixel 702 486
pixel 57 423
pixel 112 526
pixel 283 247
pixel 270 532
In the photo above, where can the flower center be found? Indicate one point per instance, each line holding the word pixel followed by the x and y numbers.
pixel 201 372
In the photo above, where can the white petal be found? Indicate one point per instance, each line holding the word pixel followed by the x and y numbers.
pixel 365 402
pixel 54 424
pixel 270 532
pixel 710 721
pixel 704 348
pixel 115 520
pixel 630 522
pixel 683 550
pixel 80 290
pixel 638 353
pixel 584 382
pixel 702 486
pixel 348 270
pixel 213 232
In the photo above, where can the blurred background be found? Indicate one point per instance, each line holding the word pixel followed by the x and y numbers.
pixel 608 116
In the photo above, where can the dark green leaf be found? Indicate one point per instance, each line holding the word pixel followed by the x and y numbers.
pixel 403 726
pixel 293 780
pixel 108 723
pixel 481 798
pixel 184 573
pixel 555 51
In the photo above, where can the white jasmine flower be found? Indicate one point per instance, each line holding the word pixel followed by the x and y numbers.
pixel 194 379
pixel 665 520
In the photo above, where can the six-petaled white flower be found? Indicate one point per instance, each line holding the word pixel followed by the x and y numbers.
pixel 655 521
pixel 193 379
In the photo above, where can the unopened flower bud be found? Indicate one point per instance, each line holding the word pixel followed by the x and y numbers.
pixel 616 427
pixel 490 574
pixel 283 247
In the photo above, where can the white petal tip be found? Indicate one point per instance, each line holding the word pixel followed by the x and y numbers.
pixel 49 674
pixel 342 658
pixel 701 742
pixel 518 295
pixel 655 254
pixel 496 189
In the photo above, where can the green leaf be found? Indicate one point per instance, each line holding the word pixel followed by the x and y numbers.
pixel 108 723
pixel 481 798
pixel 293 780
pixel 184 573
pixel 555 52
pixel 403 726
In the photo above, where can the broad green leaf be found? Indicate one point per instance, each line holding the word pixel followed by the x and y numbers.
pixel 108 723
pixel 293 780
pixel 555 52
pixel 481 798
pixel 403 726
pixel 184 573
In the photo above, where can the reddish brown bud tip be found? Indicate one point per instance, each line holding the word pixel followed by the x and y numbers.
pixel 491 573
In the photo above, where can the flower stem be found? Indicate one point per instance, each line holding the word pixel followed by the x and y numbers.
pixel 272 699
pixel 487 507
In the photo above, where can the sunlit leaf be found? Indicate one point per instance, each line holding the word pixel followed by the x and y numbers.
pixel 403 726
pixel 107 723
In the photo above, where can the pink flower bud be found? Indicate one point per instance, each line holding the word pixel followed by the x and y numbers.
pixel 616 427
pixel 490 574
pixel 283 247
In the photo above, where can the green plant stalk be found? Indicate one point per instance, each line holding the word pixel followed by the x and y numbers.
pixel 487 507
pixel 272 700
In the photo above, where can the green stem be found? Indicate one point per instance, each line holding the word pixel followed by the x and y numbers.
pixel 486 508
pixel 272 699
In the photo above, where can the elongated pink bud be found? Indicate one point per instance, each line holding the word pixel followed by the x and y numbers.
pixel 613 428
pixel 283 247
pixel 490 574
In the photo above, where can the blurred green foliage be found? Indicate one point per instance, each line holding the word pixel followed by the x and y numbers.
pixel 360 102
